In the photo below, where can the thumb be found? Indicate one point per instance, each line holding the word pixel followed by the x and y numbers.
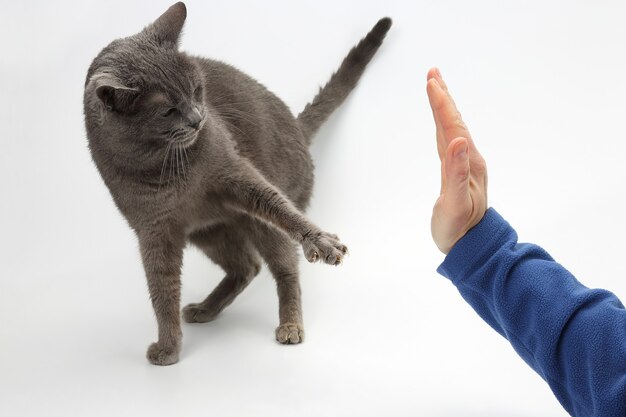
pixel 457 172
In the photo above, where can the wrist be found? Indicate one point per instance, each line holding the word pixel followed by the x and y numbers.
pixel 447 233
pixel 487 236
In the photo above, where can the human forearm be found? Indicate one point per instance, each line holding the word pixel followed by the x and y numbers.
pixel 574 337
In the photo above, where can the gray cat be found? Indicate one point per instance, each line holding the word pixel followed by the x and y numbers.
pixel 193 150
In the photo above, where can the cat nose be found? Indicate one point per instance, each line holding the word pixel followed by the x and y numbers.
pixel 194 119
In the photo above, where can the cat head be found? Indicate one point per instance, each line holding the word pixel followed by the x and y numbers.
pixel 143 95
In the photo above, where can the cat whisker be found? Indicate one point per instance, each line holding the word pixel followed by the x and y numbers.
pixel 186 156
pixel 169 178
pixel 167 151
pixel 180 158
pixel 177 134
pixel 182 161
pixel 177 149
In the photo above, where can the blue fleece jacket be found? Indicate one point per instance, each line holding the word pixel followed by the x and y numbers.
pixel 572 336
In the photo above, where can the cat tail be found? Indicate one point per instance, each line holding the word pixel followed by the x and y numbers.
pixel 343 81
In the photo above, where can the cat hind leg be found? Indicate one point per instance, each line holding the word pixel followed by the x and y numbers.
pixel 234 253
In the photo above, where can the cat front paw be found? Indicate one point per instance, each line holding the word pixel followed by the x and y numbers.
pixel 324 247
pixel 290 333
pixel 161 354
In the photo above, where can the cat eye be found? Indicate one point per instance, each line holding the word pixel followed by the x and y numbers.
pixel 197 93
pixel 170 111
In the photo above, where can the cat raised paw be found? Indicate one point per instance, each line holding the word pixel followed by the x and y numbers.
pixel 324 247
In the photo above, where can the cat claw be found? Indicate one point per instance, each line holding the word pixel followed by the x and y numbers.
pixel 325 247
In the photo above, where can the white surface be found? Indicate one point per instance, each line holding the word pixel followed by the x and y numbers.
pixel 541 86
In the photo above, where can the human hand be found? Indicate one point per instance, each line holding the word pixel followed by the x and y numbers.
pixel 462 202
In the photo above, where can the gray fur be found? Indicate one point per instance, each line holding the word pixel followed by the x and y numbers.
pixel 343 81
pixel 194 151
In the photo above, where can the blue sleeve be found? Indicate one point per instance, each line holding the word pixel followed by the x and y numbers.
pixel 572 336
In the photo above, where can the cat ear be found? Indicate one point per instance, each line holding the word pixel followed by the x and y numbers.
pixel 114 95
pixel 168 26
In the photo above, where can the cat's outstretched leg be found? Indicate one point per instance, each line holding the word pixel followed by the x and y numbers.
pixel 247 189
pixel 281 257
pixel 162 255
pixel 228 247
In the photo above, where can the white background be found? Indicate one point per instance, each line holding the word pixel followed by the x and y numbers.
pixel 541 86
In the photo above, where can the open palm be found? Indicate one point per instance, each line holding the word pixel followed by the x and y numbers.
pixel 463 198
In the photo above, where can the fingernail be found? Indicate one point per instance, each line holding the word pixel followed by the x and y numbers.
pixel 438 73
